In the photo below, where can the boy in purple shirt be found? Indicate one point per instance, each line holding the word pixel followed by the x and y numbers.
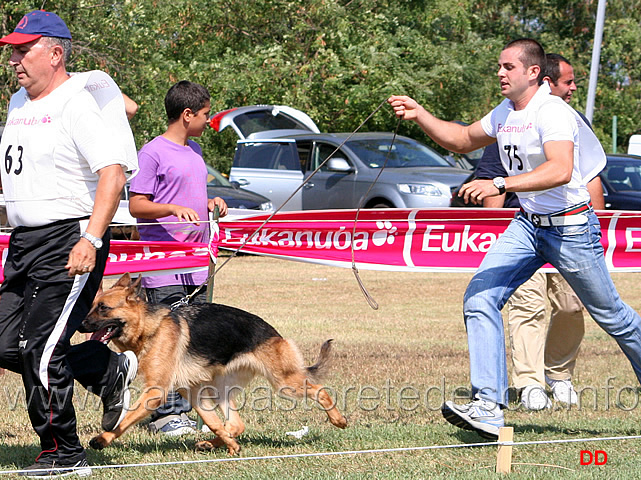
pixel 171 186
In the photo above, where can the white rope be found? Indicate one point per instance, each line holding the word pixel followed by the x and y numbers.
pixel 350 452
pixel 393 219
pixel 277 457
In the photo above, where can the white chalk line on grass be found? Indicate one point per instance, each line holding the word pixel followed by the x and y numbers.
pixel 346 452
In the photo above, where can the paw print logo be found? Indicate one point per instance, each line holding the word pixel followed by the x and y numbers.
pixel 46 119
pixel 385 234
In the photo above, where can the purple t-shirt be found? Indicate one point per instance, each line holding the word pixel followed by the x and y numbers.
pixel 177 174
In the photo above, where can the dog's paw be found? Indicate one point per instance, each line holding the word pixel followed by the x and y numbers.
pixel 98 443
pixel 342 423
pixel 338 421
pixel 208 445
pixel 233 448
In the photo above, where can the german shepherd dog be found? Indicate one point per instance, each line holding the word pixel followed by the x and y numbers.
pixel 201 348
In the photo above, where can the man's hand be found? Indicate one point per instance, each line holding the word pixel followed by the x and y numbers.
pixel 82 258
pixel 404 107
pixel 477 190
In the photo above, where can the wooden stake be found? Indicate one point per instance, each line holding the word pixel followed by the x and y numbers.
pixel 504 455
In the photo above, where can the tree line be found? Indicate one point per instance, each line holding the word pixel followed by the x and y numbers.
pixel 337 60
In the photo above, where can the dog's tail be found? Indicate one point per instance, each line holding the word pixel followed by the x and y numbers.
pixel 318 370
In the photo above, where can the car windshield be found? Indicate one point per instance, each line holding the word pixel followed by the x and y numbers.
pixel 404 153
pixel 624 177
pixel 261 121
pixel 215 178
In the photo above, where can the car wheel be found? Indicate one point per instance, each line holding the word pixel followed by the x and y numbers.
pixel 381 205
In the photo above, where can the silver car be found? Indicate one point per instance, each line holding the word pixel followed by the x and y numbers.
pixel 415 176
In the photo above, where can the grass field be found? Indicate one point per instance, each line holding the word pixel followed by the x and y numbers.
pixel 392 369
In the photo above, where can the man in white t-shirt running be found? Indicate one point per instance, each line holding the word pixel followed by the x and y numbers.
pixel 65 150
pixel 550 154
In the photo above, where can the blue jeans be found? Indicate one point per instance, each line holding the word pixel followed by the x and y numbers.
pixel 577 253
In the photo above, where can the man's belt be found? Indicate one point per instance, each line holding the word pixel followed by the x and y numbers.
pixel 570 216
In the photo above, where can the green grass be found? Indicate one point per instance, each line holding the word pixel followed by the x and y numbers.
pixel 413 346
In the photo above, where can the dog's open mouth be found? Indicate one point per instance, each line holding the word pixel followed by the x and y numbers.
pixel 104 334
pixel 102 330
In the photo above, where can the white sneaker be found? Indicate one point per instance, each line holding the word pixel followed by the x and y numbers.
pixel 173 425
pixel 563 391
pixel 534 397
pixel 481 416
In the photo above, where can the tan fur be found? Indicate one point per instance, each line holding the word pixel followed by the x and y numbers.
pixel 165 363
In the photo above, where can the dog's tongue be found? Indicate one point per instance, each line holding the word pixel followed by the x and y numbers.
pixel 103 335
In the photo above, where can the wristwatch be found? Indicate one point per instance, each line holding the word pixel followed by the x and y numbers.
pixel 95 241
pixel 499 183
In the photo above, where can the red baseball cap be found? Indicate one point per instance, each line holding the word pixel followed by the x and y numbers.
pixel 34 25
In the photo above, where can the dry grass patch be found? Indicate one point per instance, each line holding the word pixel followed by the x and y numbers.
pixel 392 369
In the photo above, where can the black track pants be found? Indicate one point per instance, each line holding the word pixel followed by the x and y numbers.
pixel 40 309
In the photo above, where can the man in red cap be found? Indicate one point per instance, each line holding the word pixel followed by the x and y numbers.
pixel 63 174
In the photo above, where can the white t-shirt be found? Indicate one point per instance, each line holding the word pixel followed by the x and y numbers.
pixel 109 98
pixel 53 148
pixel 521 134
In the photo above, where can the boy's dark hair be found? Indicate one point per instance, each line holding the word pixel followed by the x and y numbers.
pixel 184 95
pixel 532 53
pixel 552 69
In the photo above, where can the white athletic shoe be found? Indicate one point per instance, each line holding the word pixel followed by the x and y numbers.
pixel 563 391
pixel 481 416
pixel 534 397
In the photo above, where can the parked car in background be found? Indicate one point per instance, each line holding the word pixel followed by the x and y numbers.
pixel 252 121
pixel 468 161
pixel 415 176
pixel 218 186
pixel 234 196
pixel 621 179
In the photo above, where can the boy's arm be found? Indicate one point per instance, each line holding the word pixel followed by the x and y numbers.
pixel 141 206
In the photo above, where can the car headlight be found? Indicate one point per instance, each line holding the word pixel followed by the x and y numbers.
pixel 420 189
pixel 266 206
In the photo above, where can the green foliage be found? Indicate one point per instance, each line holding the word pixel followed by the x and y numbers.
pixel 338 60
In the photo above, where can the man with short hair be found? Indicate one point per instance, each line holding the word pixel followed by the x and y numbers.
pixel 543 354
pixel 550 154
pixel 62 179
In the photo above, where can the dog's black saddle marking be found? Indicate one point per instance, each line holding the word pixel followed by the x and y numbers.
pixel 220 332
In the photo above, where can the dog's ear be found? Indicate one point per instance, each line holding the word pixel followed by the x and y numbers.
pixel 134 290
pixel 123 281
pixel 137 286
